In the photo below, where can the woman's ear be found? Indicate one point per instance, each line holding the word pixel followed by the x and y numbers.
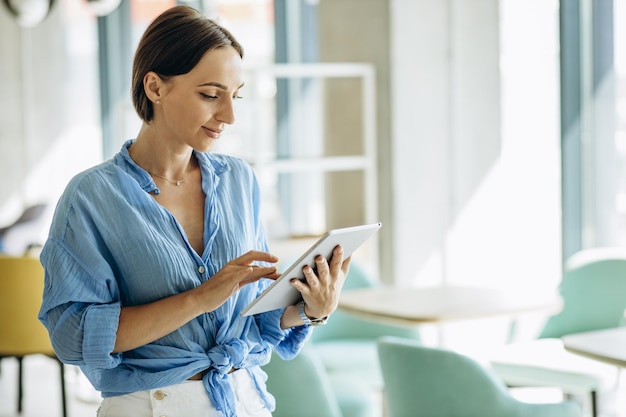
pixel 153 86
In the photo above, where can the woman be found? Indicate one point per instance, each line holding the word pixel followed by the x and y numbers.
pixel 152 255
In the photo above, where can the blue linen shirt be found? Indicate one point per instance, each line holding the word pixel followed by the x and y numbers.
pixel 112 245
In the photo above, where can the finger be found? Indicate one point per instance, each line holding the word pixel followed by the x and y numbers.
pixel 273 276
pixel 254 255
pixel 250 274
pixel 300 286
pixel 256 272
pixel 323 272
pixel 337 259
pixel 310 277
pixel 239 274
pixel 249 281
pixel 345 266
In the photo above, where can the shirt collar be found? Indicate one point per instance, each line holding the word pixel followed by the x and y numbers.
pixel 213 165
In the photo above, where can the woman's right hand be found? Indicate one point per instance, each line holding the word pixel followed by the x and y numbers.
pixel 146 323
pixel 234 275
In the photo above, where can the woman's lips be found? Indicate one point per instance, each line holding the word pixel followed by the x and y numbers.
pixel 212 133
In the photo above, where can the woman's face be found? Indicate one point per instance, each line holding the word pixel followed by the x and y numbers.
pixel 196 107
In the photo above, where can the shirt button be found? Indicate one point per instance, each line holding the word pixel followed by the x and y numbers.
pixel 159 395
pixel 201 269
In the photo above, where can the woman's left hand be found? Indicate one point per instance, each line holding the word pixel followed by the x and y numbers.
pixel 320 291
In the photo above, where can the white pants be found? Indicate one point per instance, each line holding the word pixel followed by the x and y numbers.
pixel 188 399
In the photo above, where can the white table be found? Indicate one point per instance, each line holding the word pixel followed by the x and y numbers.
pixel 413 306
pixel 607 346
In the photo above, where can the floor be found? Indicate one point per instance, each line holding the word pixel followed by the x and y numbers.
pixel 42 397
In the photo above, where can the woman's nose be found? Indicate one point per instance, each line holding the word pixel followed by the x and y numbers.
pixel 226 113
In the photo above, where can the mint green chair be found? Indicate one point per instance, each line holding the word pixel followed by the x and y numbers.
pixel 302 388
pixel 428 382
pixel 347 344
pixel 594 298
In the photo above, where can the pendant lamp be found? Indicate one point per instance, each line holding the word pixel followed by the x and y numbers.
pixel 29 13
pixel 103 7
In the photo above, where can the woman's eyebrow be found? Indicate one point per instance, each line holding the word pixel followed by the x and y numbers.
pixel 218 85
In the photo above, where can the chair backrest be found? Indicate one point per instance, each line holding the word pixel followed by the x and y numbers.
pixel 593 291
pixel 29 214
pixel 301 386
pixel 343 326
pixel 429 382
pixel 423 381
pixel 21 290
pixel 26 230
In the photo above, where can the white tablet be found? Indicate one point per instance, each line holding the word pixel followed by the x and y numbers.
pixel 282 294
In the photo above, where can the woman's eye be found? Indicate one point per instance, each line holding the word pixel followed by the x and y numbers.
pixel 208 97
pixel 237 97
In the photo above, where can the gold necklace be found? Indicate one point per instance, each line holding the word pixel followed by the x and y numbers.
pixel 175 182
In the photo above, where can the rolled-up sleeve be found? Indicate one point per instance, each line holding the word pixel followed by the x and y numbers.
pixel 77 344
pixel 80 312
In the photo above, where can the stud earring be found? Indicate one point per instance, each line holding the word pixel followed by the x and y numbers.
pixel 158 102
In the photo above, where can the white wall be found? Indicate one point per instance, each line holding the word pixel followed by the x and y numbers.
pixel 475 142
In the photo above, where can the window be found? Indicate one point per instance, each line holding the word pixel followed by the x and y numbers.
pixel 594 124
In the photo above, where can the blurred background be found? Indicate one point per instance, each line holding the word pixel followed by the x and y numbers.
pixel 488 136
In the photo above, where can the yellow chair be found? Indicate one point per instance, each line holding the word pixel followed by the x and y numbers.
pixel 21 333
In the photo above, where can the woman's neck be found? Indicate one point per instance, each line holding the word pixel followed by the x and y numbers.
pixel 161 157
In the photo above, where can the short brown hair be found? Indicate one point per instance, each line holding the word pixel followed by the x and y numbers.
pixel 173 44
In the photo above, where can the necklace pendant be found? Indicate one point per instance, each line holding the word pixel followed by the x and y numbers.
pixel 178 183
